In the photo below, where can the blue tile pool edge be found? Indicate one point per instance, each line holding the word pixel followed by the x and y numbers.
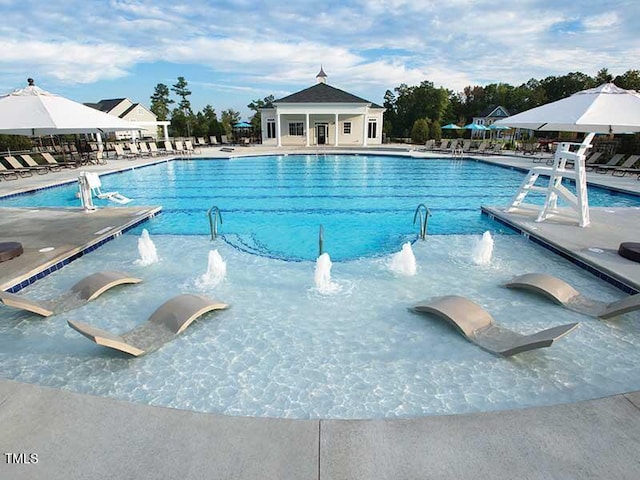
pixel 90 247
pixel 573 259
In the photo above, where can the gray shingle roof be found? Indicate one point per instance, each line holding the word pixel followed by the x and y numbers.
pixel 323 93
pixel 108 104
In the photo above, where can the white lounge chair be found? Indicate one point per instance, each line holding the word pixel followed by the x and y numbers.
pixel 169 320
pixel 477 326
pixel 564 294
pixel 40 169
pixel 84 291
pixel 95 184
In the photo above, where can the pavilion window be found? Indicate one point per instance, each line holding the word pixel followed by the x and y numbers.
pixel 271 128
pixel 296 129
pixel 372 130
pixel 346 128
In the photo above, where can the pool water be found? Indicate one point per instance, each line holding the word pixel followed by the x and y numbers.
pixel 282 349
pixel 274 205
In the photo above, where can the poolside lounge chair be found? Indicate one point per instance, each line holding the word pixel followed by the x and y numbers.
pixel 496 149
pixel 564 294
pixel 168 148
pixel 213 140
pixel 17 167
pixel 84 291
pixel 180 147
pixel 95 185
pixel 8 174
pixel 617 161
pixel 591 162
pixel 477 325
pixel 169 320
pixel 50 160
pixel 144 150
pixel 120 153
pixel 630 165
pixel 153 149
pixel 200 142
pixel 135 151
pixel 189 147
pixel 32 164
pixel 223 139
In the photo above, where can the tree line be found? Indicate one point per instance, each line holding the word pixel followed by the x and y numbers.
pixel 418 112
pixel 205 123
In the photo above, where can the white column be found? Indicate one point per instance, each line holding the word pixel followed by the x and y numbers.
pixel 278 129
pixel 364 130
pixel 306 126
pixel 165 131
pixel 335 144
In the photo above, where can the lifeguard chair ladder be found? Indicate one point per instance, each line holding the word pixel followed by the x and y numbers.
pixel 579 201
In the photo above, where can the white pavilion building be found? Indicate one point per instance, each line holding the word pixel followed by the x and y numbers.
pixel 322 115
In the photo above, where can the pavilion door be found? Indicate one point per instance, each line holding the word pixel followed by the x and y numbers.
pixel 321 134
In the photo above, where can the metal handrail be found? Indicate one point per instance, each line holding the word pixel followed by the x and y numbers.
pixel 213 221
pixel 424 218
pixel 320 240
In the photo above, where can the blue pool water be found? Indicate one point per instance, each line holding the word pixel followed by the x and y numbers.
pixel 274 205
pixel 286 349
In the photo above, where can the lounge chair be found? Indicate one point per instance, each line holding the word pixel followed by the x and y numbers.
pixel 189 147
pixel 168 148
pixel 180 147
pixel 564 294
pixel 496 149
pixel 50 160
pixel 120 153
pixel 8 174
pixel 32 164
pixel 617 161
pixel 200 141
pixel 84 291
pixel 135 151
pixel 213 140
pixel 169 320
pixel 95 185
pixel 17 167
pixel 477 325
pixel 223 139
pixel 144 150
pixel 153 149
pixel 591 162
pixel 629 166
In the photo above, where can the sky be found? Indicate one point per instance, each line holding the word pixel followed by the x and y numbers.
pixel 233 52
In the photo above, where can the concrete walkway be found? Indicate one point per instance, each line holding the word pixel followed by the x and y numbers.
pixel 75 436
pixel 78 436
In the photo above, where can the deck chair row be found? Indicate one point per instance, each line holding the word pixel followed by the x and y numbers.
pixel 12 168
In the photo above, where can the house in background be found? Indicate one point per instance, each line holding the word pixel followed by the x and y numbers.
pixel 487 117
pixel 135 113
pixel 321 115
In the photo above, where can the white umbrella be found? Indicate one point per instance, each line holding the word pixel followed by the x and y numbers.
pixel 33 111
pixel 604 109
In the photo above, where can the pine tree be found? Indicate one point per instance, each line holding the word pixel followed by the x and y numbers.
pixel 160 101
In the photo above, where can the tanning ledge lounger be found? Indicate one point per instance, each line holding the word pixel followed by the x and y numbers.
pixel 564 294
pixel 477 325
pixel 84 291
pixel 170 319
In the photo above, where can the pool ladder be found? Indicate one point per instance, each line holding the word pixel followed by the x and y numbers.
pixel 424 214
pixel 320 240
pixel 214 216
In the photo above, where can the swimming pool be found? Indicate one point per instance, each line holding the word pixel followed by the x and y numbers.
pixel 274 205
pixel 284 349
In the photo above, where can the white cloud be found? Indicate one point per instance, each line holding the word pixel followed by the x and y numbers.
pixel 69 62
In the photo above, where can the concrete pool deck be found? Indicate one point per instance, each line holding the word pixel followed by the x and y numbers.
pixel 83 436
